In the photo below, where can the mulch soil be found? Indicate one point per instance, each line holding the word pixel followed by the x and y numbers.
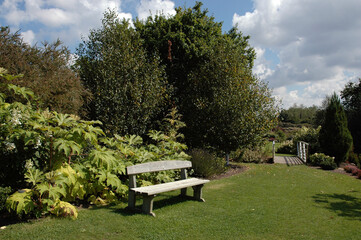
pixel 233 170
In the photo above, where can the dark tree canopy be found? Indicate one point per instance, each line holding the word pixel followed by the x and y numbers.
pixel 224 105
pixel 46 71
pixel 299 114
pixel 129 89
pixel 351 96
pixel 335 138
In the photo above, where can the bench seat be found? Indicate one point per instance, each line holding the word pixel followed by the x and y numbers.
pixel 149 192
pixel 170 186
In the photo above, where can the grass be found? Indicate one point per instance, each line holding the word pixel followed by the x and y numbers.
pixel 265 202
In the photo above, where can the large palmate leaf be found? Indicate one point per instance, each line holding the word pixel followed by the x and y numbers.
pixel 103 157
pixel 47 190
pixel 21 201
pixel 34 176
pixel 67 146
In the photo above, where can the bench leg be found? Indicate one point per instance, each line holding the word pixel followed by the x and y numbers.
pixel 197 192
pixel 183 192
pixel 148 204
pixel 131 199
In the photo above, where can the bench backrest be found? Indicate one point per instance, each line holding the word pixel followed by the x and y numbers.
pixel 158 166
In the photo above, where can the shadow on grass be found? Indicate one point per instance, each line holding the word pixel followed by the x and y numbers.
pixel 160 201
pixel 342 204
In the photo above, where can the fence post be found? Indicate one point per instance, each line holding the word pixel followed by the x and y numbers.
pixel 273 150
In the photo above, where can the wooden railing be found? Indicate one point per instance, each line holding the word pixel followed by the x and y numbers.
pixel 302 151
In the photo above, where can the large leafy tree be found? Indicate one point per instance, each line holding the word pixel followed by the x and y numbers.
pixel 351 96
pixel 224 105
pixel 45 70
pixel 129 88
pixel 335 138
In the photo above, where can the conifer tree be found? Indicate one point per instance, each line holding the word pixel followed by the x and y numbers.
pixel 335 138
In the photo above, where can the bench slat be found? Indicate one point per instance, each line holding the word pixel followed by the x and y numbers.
pixel 158 166
pixel 166 187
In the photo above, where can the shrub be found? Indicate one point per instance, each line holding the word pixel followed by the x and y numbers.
pixel 281 136
pixel 251 156
pixel 72 160
pixel 286 147
pixel 322 160
pixel 4 194
pixel 310 136
pixel 206 164
pixel 328 163
pixel 350 168
pixel 355 158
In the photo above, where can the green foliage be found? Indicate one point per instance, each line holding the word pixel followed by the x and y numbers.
pixel 335 138
pixel 281 136
pixel 4 194
pixel 299 114
pixel 351 96
pixel 64 209
pixel 21 201
pixel 45 70
pixel 71 160
pixel 129 89
pixel 251 155
pixel 223 104
pixel 322 160
pixel 310 136
pixel 287 147
pixel 355 159
pixel 206 164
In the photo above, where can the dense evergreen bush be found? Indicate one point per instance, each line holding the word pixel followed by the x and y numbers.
pixel 351 96
pixel 335 138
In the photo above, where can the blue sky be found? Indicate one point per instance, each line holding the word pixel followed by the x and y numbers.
pixel 306 49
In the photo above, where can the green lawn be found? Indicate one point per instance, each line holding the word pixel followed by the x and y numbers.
pixel 265 202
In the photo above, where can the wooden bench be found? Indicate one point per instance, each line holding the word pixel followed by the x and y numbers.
pixel 149 192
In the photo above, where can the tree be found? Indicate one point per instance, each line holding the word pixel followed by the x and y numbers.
pixel 45 70
pixel 351 96
pixel 335 138
pixel 224 105
pixel 299 114
pixel 129 89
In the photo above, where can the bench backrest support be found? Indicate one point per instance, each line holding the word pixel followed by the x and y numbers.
pixel 158 166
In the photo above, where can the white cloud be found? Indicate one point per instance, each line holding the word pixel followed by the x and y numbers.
pixel 261 65
pixel 316 42
pixel 155 7
pixel 28 37
pixel 52 19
